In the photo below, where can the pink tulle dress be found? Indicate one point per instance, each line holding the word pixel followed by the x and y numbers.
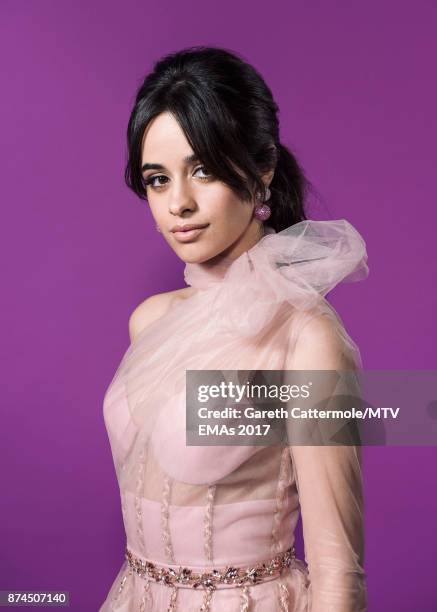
pixel 212 527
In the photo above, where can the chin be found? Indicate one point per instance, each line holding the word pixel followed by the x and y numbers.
pixel 195 259
pixel 195 254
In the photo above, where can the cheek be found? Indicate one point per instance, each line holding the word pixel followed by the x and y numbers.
pixel 225 206
pixel 158 211
pixel 235 216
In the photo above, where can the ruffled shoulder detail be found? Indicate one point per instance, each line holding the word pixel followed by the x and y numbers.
pixel 298 265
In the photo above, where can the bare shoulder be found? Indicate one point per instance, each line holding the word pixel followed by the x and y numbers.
pixel 320 327
pixel 153 308
pixel 318 346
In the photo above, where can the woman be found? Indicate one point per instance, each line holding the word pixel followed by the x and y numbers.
pixel 228 198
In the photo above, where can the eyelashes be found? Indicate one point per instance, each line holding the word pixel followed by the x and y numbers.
pixel 150 181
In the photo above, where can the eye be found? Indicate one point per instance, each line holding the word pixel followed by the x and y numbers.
pixel 203 168
pixel 162 179
pixel 151 181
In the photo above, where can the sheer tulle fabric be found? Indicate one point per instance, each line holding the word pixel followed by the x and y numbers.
pixel 207 507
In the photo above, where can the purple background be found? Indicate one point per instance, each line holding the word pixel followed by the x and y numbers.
pixel 356 86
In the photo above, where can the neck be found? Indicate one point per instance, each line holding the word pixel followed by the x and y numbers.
pixel 201 275
pixel 253 234
pixel 244 243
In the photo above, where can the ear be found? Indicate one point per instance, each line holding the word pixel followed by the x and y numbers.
pixel 267 177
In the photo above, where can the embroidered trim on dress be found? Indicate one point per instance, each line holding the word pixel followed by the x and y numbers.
pixel 245 599
pixel 207 531
pixel 230 575
pixel 166 536
pixel 280 494
pixel 283 597
pixel 147 597
pixel 137 501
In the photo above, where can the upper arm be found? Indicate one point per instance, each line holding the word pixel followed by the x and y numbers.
pixel 319 346
pixel 147 312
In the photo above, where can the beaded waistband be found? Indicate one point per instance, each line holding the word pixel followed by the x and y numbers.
pixel 210 580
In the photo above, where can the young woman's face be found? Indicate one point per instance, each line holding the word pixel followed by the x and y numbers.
pixel 181 192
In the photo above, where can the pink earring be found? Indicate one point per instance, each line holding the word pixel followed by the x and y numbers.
pixel 157 228
pixel 263 211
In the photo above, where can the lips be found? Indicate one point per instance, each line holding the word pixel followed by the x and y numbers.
pixel 188 227
pixel 186 235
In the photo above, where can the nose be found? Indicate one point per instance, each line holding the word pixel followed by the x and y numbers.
pixel 181 199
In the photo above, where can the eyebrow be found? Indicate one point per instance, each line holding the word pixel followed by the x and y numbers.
pixel 189 159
